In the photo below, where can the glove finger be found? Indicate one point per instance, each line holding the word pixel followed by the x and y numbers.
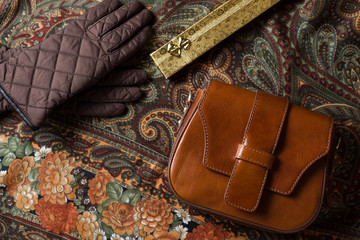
pixel 130 48
pixel 114 39
pixel 132 61
pixel 100 10
pixel 94 109
pixel 110 94
pixel 124 77
pixel 114 18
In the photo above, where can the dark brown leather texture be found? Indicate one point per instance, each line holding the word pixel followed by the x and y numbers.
pixel 36 80
pixel 251 157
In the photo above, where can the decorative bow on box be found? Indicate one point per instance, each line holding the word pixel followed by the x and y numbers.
pixel 175 49
pixel 206 33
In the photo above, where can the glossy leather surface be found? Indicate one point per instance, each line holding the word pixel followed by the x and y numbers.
pixel 206 157
pixel 256 157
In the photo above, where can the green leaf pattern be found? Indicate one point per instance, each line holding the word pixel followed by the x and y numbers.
pixel 17 149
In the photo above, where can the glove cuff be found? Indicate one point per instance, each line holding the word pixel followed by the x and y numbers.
pixel 16 108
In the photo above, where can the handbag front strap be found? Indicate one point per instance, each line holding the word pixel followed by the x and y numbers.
pixel 255 154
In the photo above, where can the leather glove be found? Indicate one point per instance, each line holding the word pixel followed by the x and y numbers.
pixel 108 97
pixel 35 80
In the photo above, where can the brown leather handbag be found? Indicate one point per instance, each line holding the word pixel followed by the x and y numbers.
pixel 252 158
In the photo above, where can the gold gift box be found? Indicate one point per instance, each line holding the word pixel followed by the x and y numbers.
pixel 206 33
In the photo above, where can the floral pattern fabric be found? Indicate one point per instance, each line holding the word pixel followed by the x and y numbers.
pixel 106 178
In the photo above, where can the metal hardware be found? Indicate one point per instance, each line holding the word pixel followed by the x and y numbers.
pixel 175 49
pixel 188 102
pixel 187 105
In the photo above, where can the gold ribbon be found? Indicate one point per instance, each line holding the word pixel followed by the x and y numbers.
pixel 175 49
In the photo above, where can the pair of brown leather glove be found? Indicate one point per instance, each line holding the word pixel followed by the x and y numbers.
pixel 79 69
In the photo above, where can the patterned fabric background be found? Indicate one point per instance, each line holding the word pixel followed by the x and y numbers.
pixel 105 178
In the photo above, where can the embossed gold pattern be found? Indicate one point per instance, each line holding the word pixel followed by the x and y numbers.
pixel 206 33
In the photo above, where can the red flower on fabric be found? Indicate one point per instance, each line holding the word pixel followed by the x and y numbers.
pixel 54 178
pixel 207 232
pixel 153 216
pixel 97 185
pixel 57 218
pixel 17 174
pixel 120 217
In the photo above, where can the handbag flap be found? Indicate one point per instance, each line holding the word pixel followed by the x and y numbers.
pixel 304 137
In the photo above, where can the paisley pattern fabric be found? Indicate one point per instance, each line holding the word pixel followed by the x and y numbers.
pixel 106 178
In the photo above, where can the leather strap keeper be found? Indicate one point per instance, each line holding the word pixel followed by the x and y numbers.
pixel 256 157
pixel 251 158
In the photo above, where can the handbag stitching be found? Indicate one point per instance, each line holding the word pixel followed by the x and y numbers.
pixel 273 149
pixel 206 132
pixel 181 132
pixel 238 162
pixel 228 190
pixel 307 166
pixel 281 125
pixel 229 173
pixel 256 150
pixel 251 118
pixel 234 218
pixel 253 161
